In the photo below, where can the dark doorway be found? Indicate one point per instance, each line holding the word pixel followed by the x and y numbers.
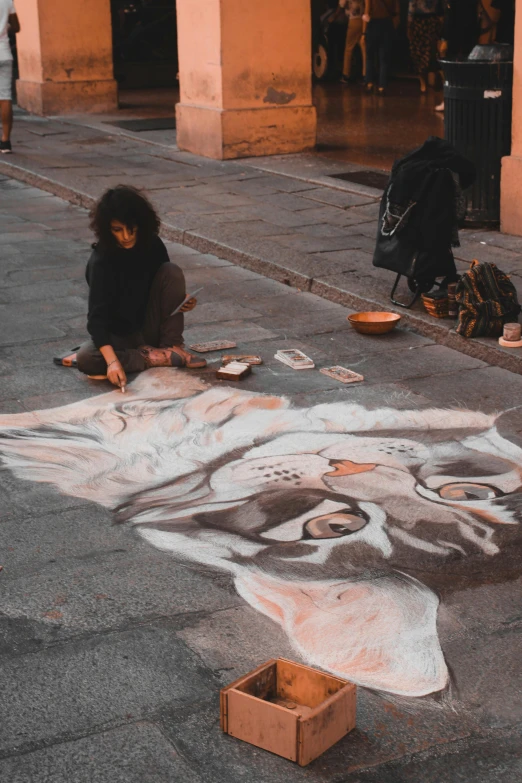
pixel 144 43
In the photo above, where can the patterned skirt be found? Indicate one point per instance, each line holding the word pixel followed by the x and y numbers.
pixel 424 33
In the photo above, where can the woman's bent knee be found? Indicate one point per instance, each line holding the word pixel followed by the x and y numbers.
pixel 170 275
pixel 89 360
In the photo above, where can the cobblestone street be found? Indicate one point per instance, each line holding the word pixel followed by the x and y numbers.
pixel 114 651
pixel 285 217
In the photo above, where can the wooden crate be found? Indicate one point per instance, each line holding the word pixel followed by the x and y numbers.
pixel 289 709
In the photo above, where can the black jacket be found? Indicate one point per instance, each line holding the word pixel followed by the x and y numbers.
pixel 119 286
pixel 418 215
pixel 421 194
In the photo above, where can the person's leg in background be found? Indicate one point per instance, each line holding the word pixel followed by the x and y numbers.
pixel 6 104
pixel 419 36
pixel 337 34
pixel 434 71
pixel 385 53
pixel 362 45
pixel 353 37
pixel 7 119
pixel 371 53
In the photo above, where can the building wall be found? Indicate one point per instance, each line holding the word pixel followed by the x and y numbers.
pixel 511 177
pixel 270 67
pixel 200 60
pixel 245 77
pixel 65 56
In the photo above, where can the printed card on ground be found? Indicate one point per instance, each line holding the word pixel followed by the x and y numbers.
pixel 342 374
pixel 213 345
pixel 295 359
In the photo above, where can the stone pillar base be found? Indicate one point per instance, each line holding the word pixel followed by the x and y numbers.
pixel 243 133
pixel 511 195
pixel 67 97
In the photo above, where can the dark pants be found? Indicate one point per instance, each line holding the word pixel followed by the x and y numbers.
pixel 160 329
pixel 379 43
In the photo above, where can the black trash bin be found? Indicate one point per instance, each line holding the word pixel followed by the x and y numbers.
pixel 477 121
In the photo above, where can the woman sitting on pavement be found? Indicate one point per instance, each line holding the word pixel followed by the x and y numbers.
pixel 133 291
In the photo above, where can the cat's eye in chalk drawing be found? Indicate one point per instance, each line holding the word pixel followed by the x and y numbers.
pixel 465 491
pixel 334 525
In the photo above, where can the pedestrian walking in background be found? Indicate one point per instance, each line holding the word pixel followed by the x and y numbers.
pixel 424 28
pixel 381 18
pixel 460 31
pixel 354 36
pixel 8 23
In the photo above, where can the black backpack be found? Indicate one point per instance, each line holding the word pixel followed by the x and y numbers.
pixel 487 300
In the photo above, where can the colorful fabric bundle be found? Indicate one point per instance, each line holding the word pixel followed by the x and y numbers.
pixel 487 300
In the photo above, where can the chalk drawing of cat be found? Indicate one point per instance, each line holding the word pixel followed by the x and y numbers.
pixel 325 517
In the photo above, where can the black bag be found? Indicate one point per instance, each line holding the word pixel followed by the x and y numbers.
pixel 397 252
pixel 418 216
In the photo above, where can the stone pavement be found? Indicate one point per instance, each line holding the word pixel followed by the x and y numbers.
pixel 113 652
pixel 287 218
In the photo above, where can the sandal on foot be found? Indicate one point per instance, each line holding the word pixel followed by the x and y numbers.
pixel 67 359
pixel 190 361
pixel 174 356
pixel 161 357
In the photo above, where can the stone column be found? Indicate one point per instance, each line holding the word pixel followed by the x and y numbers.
pixel 245 77
pixel 65 56
pixel 511 176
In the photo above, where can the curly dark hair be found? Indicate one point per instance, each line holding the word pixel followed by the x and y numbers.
pixel 130 207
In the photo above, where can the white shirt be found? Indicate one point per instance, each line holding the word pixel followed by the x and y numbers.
pixel 6 9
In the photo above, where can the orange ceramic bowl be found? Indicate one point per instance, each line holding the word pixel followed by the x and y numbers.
pixel 374 323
